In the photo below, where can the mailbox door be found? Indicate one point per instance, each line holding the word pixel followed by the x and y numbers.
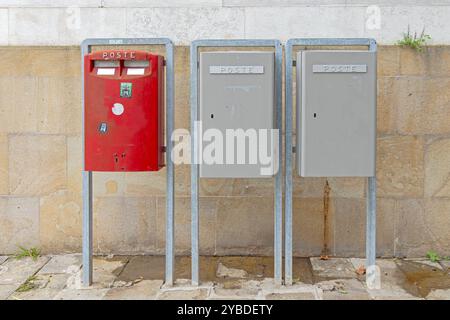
pixel 123 113
pixel 236 92
pixel 336 113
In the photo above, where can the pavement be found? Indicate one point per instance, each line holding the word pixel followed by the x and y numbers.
pixel 58 277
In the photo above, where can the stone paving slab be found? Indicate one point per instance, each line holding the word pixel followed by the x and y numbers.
pixel 439 294
pixel 143 290
pixel 343 289
pixel 59 277
pixel 14 272
pixel 61 264
pixel 47 287
pixel 81 294
pixel 3 259
pixel 336 268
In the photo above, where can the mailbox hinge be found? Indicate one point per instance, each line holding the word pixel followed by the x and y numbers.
pixel 164 62
pixel 294 63
pixel 294 149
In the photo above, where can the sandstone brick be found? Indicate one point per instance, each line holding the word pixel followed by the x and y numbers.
pixel 400 166
pixel 124 224
pixel 182 85
pixel 74 164
pixel 59 105
pixel 237 187
pixel 19 224
pixel 18 104
pixel 438 223
pixel 60 222
pixel 388 61
pixel 386 106
pixel 244 224
pixel 348 225
pixel 109 184
pixel 41 61
pixel 308 226
pixel 37 164
pixel 208 208
pixel 437 168
pixel 4 164
pixel 432 61
pixel 412 62
pixel 413 235
pixel 154 183
pixel 347 187
pixel 307 187
pixel 422 105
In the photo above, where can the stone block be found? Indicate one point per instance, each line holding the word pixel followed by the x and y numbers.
pixel 308 226
pixel 207 224
pixel 244 225
pixel 4 165
pixel 18 103
pixel 387 106
pixel 37 164
pixel 348 225
pixel 19 224
pixel 59 105
pixel 60 222
pixel 388 61
pixel 437 170
pixel 124 225
pixel 143 290
pixel 422 105
pixel 400 166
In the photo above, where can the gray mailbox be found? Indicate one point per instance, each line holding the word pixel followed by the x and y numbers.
pixel 336 113
pixel 236 91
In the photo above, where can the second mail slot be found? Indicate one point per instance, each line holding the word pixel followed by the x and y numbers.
pixel 237 102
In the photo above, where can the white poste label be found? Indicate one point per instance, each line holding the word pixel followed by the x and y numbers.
pixel 350 68
pixel 236 69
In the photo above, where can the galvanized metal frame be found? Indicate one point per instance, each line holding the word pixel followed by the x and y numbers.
pixel 278 219
pixel 371 183
pixel 87 175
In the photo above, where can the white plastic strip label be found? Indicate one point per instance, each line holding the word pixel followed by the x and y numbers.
pixel 350 68
pixel 236 69
pixel 106 71
pixel 135 71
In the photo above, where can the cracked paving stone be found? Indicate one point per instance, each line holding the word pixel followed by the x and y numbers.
pixel 336 268
pixel 143 290
pixel 343 289
pixel 47 286
pixel 197 294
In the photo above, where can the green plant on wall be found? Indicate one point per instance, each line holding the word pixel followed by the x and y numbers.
pixel 413 40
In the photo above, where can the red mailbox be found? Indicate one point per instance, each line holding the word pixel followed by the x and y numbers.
pixel 124 111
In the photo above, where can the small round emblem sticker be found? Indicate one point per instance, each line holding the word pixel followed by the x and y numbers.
pixel 118 109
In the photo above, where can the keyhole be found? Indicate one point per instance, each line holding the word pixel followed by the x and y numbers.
pixel 315 115
pixel 212 116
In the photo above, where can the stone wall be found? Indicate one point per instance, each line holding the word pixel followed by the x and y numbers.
pixel 68 22
pixel 40 171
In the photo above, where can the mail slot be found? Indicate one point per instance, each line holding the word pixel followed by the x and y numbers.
pixel 336 113
pixel 124 111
